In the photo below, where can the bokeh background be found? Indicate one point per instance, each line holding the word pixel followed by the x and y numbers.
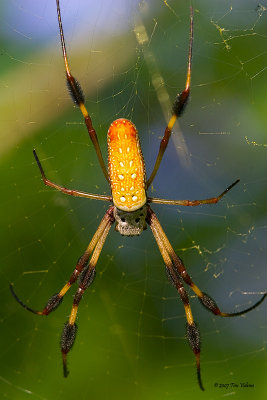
pixel 131 338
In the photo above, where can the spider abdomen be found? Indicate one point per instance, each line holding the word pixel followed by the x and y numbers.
pixel 126 166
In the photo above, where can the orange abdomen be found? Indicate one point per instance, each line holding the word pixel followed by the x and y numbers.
pixel 126 166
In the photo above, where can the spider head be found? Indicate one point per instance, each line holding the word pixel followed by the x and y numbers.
pixel 130 223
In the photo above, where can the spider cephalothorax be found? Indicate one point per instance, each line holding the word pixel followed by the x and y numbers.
pixel 130 211
pixel 130 223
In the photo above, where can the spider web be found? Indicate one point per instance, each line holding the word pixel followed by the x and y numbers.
pixel 129 59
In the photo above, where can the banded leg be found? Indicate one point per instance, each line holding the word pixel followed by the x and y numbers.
pixel 192 332
pixel 178 107
pixel 180 270
pixel 211 200
pixel 78 97
pixel 81 265
pixel 70 192
pixel 86 279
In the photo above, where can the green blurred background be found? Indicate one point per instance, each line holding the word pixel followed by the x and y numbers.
pixel 130 341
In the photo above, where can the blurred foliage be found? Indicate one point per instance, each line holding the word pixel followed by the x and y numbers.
pixel 131 326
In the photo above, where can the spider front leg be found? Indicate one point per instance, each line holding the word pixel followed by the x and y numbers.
pixel 192 331
pixel 82 263
pixel 180 271
pixel 206 300
pixel 86 279
pixel 176 272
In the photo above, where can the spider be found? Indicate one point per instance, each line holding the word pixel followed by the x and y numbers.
pixel 130 211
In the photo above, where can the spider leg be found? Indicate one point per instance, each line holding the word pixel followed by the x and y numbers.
pixel 203 297
pixel 86 279
pixel 81 265
pixel 180 270
pixel 177 109
pixel 192 331
pixel 78 97
pixel 70 192
pixel 211 200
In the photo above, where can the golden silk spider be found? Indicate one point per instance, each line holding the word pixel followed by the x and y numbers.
pixel 130 211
